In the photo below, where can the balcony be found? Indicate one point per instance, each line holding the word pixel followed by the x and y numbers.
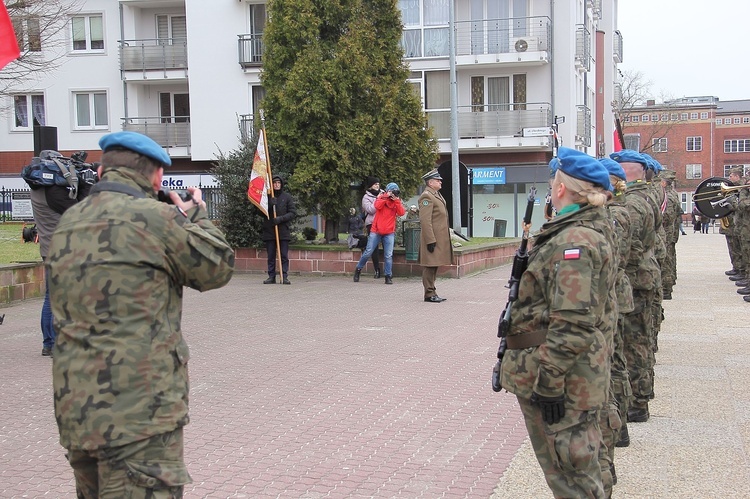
pixel 596 9
pixel 617 96
pixel 247 127
pixel 617 46
pixel 513 40
pixel 167 131
pixel 250 49
pixel 583 48
pixel 583 126
pixel 507 126
pixel 153 58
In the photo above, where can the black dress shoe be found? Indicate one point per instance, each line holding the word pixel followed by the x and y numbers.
pixel 270 280
pixel 434 299
pixel 286 281
pixel 732 272
pixel 47 352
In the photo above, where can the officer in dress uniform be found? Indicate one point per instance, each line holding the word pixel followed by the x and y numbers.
pixel 435 248
pixel 557 358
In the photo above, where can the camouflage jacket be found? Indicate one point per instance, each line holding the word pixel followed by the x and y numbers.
pixel 117 267
pixel 657 198
pixel 563 295
pixel 671 216
pixel 623 229
pixel 642 268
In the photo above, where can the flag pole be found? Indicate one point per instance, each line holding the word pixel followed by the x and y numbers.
pixel 270 184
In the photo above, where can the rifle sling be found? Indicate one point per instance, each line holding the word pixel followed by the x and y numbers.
pixel 525 340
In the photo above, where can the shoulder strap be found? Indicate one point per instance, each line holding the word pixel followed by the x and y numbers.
pixel 117 187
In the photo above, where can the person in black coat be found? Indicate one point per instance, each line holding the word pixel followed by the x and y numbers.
pixel 282 211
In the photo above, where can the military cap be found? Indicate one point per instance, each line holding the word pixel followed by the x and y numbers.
pixel 668 174
pixel 736 171
pixel 135 142
pixel 432 174
pixel 613 167
pixel 629 156
pixel 580 165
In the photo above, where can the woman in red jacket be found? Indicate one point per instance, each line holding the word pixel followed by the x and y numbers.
pixel 388 206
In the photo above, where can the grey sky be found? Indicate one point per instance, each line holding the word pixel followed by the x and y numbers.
pixel 688 47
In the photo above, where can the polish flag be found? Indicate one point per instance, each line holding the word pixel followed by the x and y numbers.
pixel 257 191
pixel 9 51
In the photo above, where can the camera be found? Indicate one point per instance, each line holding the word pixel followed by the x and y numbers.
pixel 163 195
pixel 396 193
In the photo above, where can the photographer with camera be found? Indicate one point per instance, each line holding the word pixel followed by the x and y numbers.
pixel 388 207
pixel 118 264
pixel 52 192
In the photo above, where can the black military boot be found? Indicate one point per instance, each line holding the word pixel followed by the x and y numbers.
pixel 732 272
pixel 667 295
pixel 746 298
pixel 737 277
pixel 270 280
pixel 357 272
pixel 638 414
pixel 624 440
pixel 744 291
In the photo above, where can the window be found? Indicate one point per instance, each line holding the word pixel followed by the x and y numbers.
pixel 727 121
pixel 746 119
pixel 644 117
pixel 654 117
pixel 684 116
pixel 736 121
pixel 88 33
pixel 28 112
pixel 718 121
pixel 90 110
pixel 417 39
pixel 693 116
pixel 659 145
pixel 28 33
pixel 704 115
pixel 632 141
pixel 636 119
pixel 737 145
pixel 693 172
pixel 674 117
pixel 626 119
pixel 694 144
pixel 745 169
pixel 665 117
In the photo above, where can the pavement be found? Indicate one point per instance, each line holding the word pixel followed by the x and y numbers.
pixel 329 388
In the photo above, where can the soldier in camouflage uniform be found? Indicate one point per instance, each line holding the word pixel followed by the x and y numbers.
pixel 557 362
pixel 657 198
pixel 611 420
pixel 742 235
pixel 671 223
pixel 733 243
pixel 118 263
pixel 643 273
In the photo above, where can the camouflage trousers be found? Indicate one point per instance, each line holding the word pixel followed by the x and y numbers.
pixel 568 451
pixel 153 468
pixel 735 256
pixel 609 424
pixel 638 340
pixel 669 268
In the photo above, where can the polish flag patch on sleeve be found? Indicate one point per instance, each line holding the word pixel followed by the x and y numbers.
pixel 572 254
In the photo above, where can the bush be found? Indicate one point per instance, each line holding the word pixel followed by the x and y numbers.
pixel 309 233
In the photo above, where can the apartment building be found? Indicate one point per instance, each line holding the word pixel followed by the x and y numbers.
pixel 698 137
pixel 187 73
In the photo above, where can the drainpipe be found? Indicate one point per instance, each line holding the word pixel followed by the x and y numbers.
pixel 552 56
pixel 455 177
pixel 586 73
pixel 124 83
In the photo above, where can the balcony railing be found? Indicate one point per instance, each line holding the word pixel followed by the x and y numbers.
pixel 583 126
pixel 596 9
pixel 167 131
pixel 583 47
pixel 250 50
pixel 617 48
pixel 487 36
pixel 504 120
pixel 247 127
pixel 153 54
pixel 617 97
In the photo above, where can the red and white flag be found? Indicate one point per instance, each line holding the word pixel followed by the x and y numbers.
pixel 9 51
pixel 257 191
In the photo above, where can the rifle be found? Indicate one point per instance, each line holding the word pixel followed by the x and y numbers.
pixel 520 262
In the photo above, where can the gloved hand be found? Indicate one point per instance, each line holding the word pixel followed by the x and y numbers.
pixel 431 247
pixel 277 220
pixel 271 201
pixel 553 408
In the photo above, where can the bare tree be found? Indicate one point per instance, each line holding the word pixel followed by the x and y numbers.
pixel 636 100
pixel 40 30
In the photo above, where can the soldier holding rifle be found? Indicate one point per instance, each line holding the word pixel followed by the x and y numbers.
pixel 557 359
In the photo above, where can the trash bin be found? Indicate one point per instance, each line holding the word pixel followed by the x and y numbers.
pixel 412 235
pixel 500 226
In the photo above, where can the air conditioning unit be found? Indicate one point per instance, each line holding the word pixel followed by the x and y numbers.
pixel 522 44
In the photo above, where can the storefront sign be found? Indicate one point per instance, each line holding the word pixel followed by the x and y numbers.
pixel 491 175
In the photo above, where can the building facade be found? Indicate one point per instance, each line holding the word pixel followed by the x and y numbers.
pixel 697 137
pixel 187 73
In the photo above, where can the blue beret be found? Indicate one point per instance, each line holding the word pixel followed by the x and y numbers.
pixel 613 167
pixel 580 165
pixel 629 156
pixel 393 186
pixel 136 142
pixel 652 164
